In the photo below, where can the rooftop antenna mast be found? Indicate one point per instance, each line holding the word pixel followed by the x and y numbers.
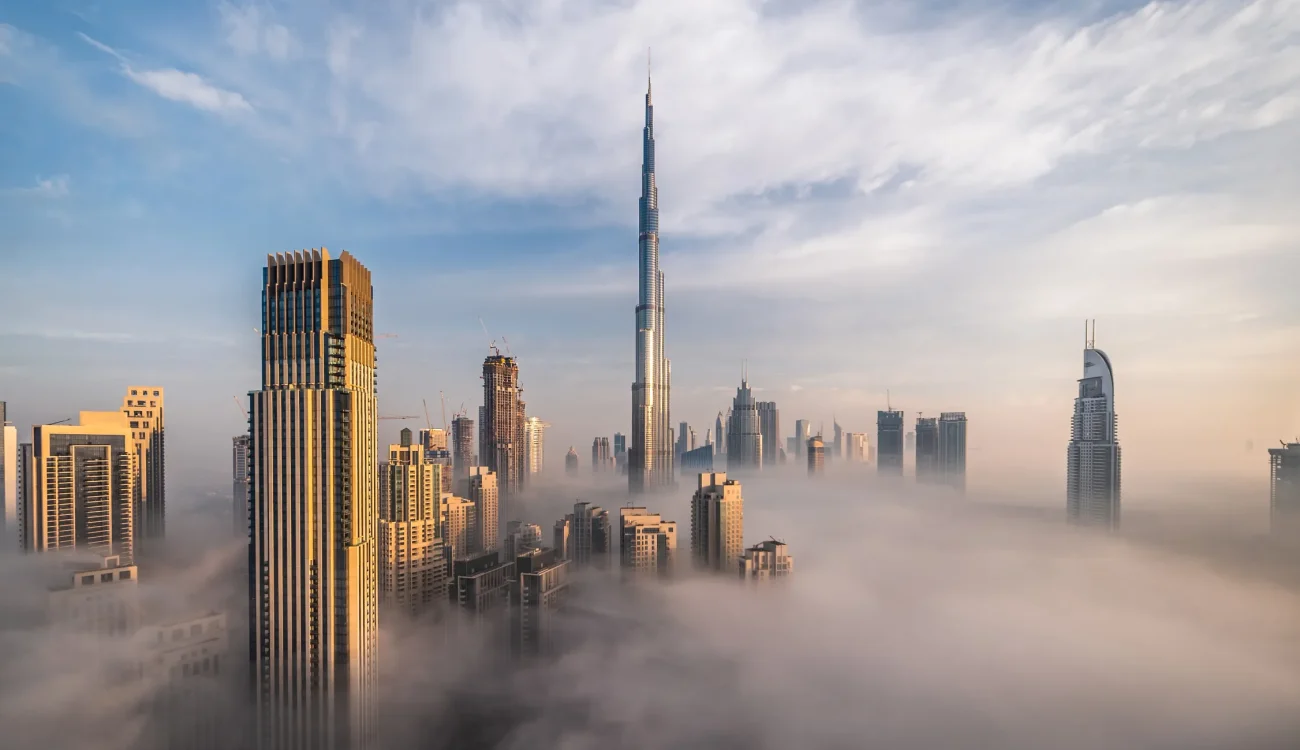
pixel 889 406
pixel 1090 334
pixel 492 343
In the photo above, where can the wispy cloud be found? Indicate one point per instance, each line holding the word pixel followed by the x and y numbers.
pixel 177 85
pixel 57 186
pixel 249 33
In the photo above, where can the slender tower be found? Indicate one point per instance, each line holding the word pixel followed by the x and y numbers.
pixel 313 547
pixel 650 457
pixel 1093 462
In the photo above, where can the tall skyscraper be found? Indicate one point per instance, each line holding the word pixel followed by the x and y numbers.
pixel 647 544
pixel 769 426
pixel 459 526
pixel 1093 462
pixel 501 429
pixel 534 444
pixel 1284 487
pixel 26 470
pixel 717 523
pixel 601 460
pixel 484 492
pixel 588 535
pixel 698 460
pixel 620 444
pixel 856 447
pixel 540 592
pixel 9 534
pixel 571 462
pixel 413 568
pixel 889 442
pixel 927 449
pixel 683 441
pixel 766 561
pixel 801 435
pixel 82 493
pixel 462 446
pixel 952 449
pixel 720 433
pixel 313 557
pixel 240 476
pixel 744 440
pixel 650 457
pixel 143 407
pixel 815 452
pixel 837 447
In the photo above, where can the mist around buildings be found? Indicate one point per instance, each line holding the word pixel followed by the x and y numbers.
pixel 918 618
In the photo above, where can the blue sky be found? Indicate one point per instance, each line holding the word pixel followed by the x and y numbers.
pixel 924 198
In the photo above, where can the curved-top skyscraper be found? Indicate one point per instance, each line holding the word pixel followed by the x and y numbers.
pixel 1093 463
pixel 650 457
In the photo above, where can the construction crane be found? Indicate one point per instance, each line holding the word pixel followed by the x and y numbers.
pixel 443 397
pixel 242 410
pixel 385 335
pixel 492 343
pixel 416 416
pixel 62 421
pixel 507 345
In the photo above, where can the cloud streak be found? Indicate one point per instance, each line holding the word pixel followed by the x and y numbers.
pixel 178 86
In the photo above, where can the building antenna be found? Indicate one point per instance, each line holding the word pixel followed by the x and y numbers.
pixel 889 406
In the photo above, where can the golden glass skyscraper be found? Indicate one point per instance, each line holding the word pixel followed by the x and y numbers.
pixel 313 546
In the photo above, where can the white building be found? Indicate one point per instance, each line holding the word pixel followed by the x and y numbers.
pixel 648 544
pixel 717 522
pixel 766 561
pixel 534 445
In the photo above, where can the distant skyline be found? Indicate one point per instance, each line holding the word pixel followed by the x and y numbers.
pixel 925 198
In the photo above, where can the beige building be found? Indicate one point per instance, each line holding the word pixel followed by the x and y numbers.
pixel 562 536
pixel 100 598
pixel 484 494
pixel 766 561
pixel 315 506
pixel 82 489
pixel 413 568
pixel 534 445
pixel 459 526
pixel 186 666
pixel 717 522
pixel 648 544
pixel 816 452
pixel 10 536
pixel 856 447
pixel 143 408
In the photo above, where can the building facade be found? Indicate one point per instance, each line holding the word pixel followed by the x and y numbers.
pixel 99 596
pixel 539 594
pixel 10 536
pixel 698 460
pixel 82 493
pixel 571 462
pixel 521 537
pixel 744 439
pixel 766 561
pixel 952 449
pixel 1284 487
pixel 815 452
pixel 648 544
pixel 601 459
pixel 143 408
pixel 462 446
pixel 855 447
pixel 1093 457
pixel 460 534
pixel 927 449
pixel 650 456
pixel 239 489
pixel 413 564
pixel 314 552
pixel 534 445
pixel 717 523
pixel 485 493
pixel 889 442
pixel 769 427
pixel 802 432
pixel 501 428
pixel 586 536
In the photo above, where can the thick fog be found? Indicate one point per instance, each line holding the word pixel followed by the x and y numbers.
pixel 915 619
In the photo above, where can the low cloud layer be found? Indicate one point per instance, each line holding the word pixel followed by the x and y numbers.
pixel 914 620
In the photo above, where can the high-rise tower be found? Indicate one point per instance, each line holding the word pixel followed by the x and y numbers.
pixel 769 426
pixel 952 448
pixel 143 407
pixel 313 550
pixel 501 429
pixel 462 446
pixel 889 442
pixel 650 457
pixel 1093 462
pixel 744 436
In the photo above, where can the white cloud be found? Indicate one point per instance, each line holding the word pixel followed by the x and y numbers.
pixel 177 85
pixel 189 88
pixel 248 33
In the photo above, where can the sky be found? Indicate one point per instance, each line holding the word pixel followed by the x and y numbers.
pixel 913 203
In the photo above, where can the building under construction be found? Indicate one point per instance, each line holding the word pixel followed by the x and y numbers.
pixel 501 423
pixel 462 446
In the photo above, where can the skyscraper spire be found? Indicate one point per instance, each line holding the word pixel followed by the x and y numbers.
pixel 650 456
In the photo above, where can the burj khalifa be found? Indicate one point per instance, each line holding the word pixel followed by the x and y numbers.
pixel 650 457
